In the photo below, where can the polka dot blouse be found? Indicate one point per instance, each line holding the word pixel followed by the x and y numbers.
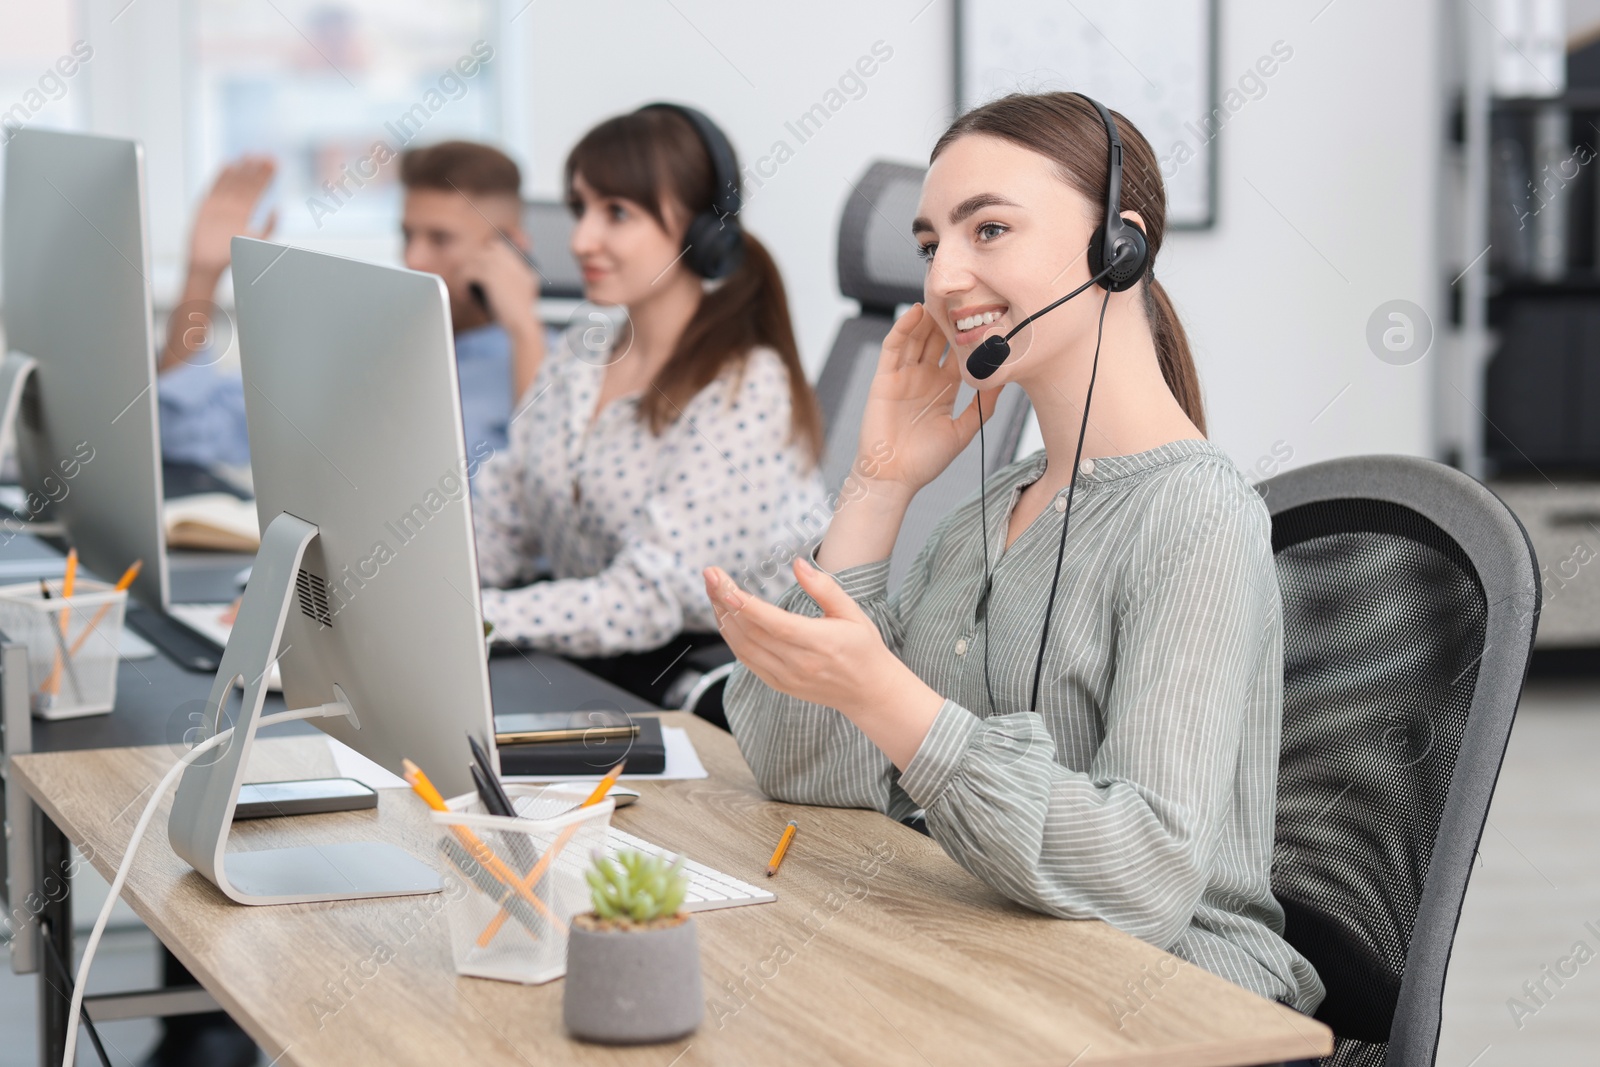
pixel 626 521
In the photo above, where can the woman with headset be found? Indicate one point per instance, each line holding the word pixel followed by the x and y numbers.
pixel 640 455
pixel 1089 723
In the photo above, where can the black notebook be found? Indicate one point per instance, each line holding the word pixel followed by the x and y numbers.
pixel 646 753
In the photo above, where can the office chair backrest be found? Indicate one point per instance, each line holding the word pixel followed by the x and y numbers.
pixel 549 225
pixel 1410 601
pixel 879 267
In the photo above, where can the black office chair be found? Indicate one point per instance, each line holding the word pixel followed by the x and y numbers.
pixel 880 269
pixel 1410 600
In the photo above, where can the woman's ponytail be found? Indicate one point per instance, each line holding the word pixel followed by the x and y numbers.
pixel 1172 352
pixel 748 309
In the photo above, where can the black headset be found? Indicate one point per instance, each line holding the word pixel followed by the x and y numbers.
pixel 713 245
pixel 1130 254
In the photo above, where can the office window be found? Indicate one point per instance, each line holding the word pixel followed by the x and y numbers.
pixel 333 90
pixel 41 59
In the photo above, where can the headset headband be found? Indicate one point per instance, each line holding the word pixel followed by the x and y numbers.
pixel 726 201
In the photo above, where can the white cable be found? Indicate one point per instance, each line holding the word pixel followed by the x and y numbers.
pixel 320 711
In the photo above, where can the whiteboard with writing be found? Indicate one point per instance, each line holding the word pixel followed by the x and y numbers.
pixel 1150 60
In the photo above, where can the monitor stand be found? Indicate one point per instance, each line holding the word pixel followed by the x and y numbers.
pixel 15 371
pixel 202 811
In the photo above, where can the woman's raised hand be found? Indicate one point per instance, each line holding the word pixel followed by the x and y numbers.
pixel 909 432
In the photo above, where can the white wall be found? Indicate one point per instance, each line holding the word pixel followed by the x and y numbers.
pixel 1343 145
pixel 1327 186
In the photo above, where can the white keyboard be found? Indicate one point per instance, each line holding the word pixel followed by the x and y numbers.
pixel 709 889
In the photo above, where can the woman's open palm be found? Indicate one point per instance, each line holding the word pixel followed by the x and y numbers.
pixel 910 408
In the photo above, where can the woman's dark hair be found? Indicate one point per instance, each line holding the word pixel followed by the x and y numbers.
pixel 1066 129
pixel 648 157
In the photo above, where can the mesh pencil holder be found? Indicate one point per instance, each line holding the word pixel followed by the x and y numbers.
pixel 518 881
pixel 72 645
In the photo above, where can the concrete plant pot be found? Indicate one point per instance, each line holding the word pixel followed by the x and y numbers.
pixel 632 987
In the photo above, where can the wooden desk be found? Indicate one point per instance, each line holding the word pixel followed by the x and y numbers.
pixel 903 959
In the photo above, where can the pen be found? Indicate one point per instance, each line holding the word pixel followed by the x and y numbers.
pixel 534 875
pixel 121 587
pixel 474 845
pixel 783 847
pixel 522 852
pixel 481 757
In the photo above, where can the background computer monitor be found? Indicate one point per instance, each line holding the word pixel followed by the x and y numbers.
pixel 355 427
pixel 76 265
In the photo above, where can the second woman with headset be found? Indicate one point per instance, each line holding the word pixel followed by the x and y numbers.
pixel 639 456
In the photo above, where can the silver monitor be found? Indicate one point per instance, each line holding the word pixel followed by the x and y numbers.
pixel 365 591
pixel 76 265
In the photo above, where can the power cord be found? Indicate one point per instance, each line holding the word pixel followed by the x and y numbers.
pixel 318 712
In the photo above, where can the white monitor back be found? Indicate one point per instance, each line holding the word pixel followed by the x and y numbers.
pixel 355 427
pixel 76 264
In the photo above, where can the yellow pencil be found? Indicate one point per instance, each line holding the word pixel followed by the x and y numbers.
pixel 604 786
pixel 52 684
pixel 562 838
pixel 122 587
pixel 783 847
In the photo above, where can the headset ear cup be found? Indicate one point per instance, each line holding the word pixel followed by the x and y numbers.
pixel 1130 272
pixel 715 247
pixel 1126 276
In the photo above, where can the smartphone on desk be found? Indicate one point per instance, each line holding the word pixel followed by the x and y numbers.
pixel 308 796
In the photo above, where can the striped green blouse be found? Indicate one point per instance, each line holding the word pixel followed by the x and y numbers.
pixel 1143 790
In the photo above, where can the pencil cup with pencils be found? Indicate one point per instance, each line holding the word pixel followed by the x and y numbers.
pixel 524 879
pixel 72 644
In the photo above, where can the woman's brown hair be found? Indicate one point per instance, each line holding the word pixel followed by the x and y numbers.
pixel 650 156
pixel 1066 129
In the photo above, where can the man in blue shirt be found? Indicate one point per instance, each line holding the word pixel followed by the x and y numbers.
pixel 462 221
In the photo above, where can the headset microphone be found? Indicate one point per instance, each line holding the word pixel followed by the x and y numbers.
pixel 995 350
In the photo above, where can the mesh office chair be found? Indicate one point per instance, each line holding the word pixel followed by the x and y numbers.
pixel 1410 601
pixel 880 269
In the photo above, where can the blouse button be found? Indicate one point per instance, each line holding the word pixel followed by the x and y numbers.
pixel 1061 502
pixel 961 646
pixel 1086 466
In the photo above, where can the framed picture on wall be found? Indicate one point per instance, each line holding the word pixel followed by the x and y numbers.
pixel 1153 61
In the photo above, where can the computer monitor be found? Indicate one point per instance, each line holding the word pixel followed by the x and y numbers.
pixel 76 264
pixel 365 591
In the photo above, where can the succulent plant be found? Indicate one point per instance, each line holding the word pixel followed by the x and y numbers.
pixel 636 886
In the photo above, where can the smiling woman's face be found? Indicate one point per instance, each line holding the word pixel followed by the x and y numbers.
pixel 1003 236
